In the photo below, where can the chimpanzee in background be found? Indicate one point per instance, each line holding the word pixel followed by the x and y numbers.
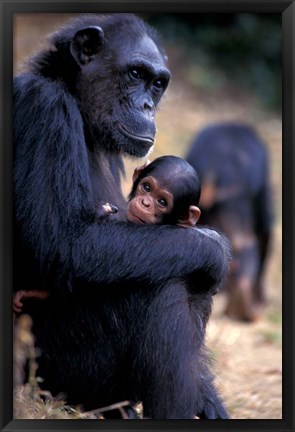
pixel 118 323
pixel 232 163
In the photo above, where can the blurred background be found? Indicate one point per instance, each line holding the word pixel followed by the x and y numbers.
pixel 225 67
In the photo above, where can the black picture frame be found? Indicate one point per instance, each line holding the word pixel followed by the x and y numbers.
pixel 7 9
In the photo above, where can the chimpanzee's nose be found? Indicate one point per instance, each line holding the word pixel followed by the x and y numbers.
pixel 146 202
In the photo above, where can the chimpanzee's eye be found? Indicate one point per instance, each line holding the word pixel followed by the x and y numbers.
pixel 162 202
pixel 136 73
pixel 160 84
pixel 146 187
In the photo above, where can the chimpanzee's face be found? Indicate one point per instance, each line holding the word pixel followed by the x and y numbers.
pixel 150 202
pixel 120 86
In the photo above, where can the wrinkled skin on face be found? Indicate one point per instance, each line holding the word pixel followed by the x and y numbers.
pixel 123 111
pixel 150 202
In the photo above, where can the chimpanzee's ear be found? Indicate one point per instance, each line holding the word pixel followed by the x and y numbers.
pixel 138 170
pixel 86 44
pixel 193 216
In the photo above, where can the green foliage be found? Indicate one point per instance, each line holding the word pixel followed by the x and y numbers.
pixel 275 317
pixel 243 49
pixel 272 337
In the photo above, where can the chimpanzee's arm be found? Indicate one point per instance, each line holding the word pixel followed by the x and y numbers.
pixel 149 254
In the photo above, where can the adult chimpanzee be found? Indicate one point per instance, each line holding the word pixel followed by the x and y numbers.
pixel 118 323
pixel 232 163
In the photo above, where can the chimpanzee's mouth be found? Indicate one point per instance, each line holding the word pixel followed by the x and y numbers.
pixel 129 134
pixel 138 220
pixel 132 217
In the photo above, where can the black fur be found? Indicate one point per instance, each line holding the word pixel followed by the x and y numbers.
pixel 117 325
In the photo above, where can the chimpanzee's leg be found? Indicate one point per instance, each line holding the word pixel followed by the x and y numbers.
pixel 264 240
pixel 170 362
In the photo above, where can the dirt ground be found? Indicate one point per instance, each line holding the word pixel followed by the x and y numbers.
pixel 248 364
pixel 247 358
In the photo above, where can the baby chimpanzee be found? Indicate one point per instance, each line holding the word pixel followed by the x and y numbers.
pixel 165 191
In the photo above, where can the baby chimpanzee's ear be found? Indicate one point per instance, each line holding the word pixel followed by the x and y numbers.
pixel 193 216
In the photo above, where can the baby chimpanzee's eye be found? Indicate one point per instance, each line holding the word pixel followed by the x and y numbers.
pixel 162 202
pixel 146 187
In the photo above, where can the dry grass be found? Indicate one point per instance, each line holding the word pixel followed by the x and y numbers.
pixel 30 402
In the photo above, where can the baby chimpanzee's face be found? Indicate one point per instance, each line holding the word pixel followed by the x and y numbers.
pixel 149 203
